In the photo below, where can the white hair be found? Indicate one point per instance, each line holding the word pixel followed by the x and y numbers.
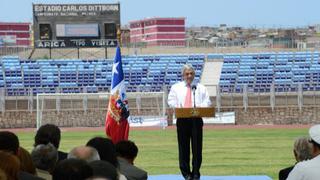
pixel 187 67
pixel 302 148
pixel 86 153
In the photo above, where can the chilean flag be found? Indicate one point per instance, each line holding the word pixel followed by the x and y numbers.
pixel 117 126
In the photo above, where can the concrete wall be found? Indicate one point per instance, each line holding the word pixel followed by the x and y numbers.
pixel 96 118
pixel 94 53
pixel 280 115
pixel 16 119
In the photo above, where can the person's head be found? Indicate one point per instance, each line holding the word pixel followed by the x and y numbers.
pixel 105 148
pixel 48 133
pixel 104 169
pixel 45 156
pixel 26 162
pixel 86 153
pixel 302 149
pixel 10 164
pixel 70 169
pixel 314 133
pixel 127 150
pixel 9 142
pixel 188 73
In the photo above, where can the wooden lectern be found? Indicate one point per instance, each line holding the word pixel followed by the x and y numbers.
pixel 197 112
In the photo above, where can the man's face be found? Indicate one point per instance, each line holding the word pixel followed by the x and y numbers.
pixel 188 76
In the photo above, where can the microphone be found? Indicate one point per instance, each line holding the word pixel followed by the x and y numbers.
pixel 194 88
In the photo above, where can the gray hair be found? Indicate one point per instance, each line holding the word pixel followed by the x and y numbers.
pixel 187 67
pixel 86 153
pixel 302 149
pixel 45 156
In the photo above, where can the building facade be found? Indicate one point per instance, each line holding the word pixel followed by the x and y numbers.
pixel 15 34
pixel 158 32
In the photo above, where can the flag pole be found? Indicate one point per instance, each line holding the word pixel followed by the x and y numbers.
pixel 119 35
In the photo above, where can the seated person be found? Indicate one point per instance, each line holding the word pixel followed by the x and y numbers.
pixel 45 157
pixel 9 142
pixel 50 133
pixel 26 162
pixel 104 169
pixel 309 170
pixel 69 169
pixel 301 151
pixel 127 151
pixel 86 153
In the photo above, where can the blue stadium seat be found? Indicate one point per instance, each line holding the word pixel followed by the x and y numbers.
pixel 259 70
pixel 72 75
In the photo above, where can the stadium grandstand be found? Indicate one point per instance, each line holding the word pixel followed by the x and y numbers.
pixel 277 82
pixel 73 75
pixel 258 71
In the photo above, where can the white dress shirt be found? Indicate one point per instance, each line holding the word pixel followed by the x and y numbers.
pixel 306 170
pixel 178 93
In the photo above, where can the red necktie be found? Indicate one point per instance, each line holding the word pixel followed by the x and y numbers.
pixel 187 100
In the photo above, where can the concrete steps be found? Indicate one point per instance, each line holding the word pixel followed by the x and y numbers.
pixel 211 75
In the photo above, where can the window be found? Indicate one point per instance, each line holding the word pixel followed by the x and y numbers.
pixel 45 32
pixel 110 31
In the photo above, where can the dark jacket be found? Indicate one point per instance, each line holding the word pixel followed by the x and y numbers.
pixel 284 173
pixel 27 176
pixel 62 156
pixel 130 171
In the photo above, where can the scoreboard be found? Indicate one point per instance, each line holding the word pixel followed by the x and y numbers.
pixel 75 25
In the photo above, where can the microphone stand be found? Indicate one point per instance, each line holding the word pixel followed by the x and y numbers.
pixel 194 129
pixel 194 88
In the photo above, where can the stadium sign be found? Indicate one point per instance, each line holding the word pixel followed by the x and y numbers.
pixel 74 9
pixel 76 43
pixel 75 25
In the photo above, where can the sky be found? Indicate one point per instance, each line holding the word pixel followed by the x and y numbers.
pixel 245 13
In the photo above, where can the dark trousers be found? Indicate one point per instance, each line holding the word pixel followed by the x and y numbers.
pixel 190 130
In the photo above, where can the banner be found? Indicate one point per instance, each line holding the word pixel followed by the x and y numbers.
pixel 220 118
pixel 145 121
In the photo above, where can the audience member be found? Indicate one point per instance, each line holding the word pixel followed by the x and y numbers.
pixel 107 152
pixel 104 169
pixel 309 170
pixel 127 152
pixel 105 148
pixel 86 153
pixel 45 157
pixel 301 151
pixel 50 133
pixel 72 169
pixel 9 142
pixel 10 164
pixel 26 163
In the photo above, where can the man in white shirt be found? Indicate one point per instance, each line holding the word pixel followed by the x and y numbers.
pixel 309 170
pixel 189 129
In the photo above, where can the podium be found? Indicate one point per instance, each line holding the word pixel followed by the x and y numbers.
pixel 197 112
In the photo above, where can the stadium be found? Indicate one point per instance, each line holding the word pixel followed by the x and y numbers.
pixel 58 70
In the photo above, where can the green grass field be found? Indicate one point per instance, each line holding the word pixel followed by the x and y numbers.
pixel 225 151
